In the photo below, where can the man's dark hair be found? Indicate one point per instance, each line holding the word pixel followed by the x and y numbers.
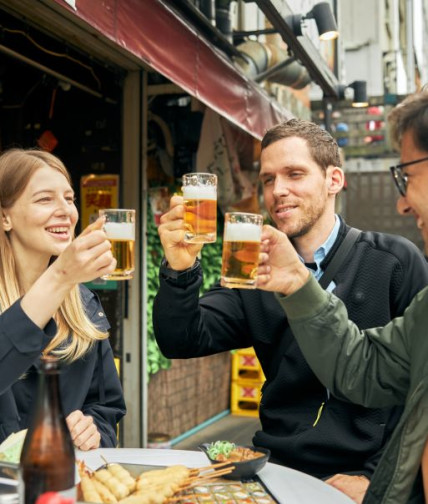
pixel 411 115
pixel 322 146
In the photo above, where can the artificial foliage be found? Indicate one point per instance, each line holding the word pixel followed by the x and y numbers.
pixel 211 264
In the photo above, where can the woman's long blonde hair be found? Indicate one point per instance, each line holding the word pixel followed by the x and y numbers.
pixel 76 333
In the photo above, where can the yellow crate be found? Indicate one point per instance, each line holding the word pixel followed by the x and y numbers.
pixel 245 397
pixel 246 366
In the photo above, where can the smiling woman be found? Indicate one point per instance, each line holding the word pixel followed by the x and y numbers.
pixel 41 222
pixel 43 308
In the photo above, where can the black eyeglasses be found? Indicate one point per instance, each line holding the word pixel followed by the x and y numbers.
pixel 400 178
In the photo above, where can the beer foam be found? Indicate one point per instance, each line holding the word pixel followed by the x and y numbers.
pixel 120 230
pixel 242 231
pixel 200 192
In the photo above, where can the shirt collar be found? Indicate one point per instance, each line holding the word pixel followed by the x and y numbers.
pixel 323 249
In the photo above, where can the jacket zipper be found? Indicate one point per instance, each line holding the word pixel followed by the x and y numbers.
pixel 320 409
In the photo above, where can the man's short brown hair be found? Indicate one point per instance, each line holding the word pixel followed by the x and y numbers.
pixel 411 114
pixel 322 146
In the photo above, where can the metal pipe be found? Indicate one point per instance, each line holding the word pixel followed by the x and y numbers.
pixel 410 62
pixel 59 76
pixel 302 48
pixel 272 70
pixel 243 33
pixel 144 107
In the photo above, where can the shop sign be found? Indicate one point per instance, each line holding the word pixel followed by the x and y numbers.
pixel 97 192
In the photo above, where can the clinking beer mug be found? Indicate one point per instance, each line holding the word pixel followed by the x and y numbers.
pixel 241 248
pixel 200 207
pixel 119 227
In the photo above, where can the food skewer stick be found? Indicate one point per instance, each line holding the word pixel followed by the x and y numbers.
pixel 106 462
pixel 212 466
pixel 216 474
pixel 120 473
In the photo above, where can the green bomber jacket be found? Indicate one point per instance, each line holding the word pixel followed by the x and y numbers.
pixel 377 367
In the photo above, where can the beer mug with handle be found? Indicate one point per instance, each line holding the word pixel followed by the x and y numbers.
pixel 119 227
pixel 200 207
pixel 241 248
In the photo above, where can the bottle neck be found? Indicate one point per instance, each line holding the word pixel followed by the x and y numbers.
pixel 49 403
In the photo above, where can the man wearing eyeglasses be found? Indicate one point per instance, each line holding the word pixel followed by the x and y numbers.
pixel 386 366
pixel 414 164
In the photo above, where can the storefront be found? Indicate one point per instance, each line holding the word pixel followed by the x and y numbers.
pixel 99 84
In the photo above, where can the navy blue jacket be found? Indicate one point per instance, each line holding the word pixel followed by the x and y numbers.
pixel 89 384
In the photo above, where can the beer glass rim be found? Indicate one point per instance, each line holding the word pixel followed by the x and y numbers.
pixel 244 213
pixel 116 210
pixel 203 174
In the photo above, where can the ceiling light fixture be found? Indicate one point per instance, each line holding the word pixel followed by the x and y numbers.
pixel 324 19
pixel 358 97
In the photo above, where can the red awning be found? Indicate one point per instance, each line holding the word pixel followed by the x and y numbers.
pixel 153 32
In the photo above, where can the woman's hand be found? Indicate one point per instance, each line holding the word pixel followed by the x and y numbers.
pixel 83 430
pixel 87 257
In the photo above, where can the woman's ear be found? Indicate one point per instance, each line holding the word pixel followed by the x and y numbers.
pixel 335 179
pixel 7 225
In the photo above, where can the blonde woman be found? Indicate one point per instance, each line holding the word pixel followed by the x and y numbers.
pixel 43 307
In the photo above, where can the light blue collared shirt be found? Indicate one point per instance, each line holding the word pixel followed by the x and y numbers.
pixel 321 252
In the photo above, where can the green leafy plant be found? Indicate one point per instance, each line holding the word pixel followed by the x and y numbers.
pixel 211 264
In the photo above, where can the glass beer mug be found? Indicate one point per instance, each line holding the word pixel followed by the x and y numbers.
pixel 200 207
pixel 119 227
pixel 241 248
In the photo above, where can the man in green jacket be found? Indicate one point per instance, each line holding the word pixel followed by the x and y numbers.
pixel 378 367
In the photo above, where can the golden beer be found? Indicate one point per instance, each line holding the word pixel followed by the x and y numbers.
pixel 241 248
pixel 124 253
pixel 120 230
pixel 200 217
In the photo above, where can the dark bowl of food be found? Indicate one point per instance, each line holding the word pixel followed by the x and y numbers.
pixel 247 460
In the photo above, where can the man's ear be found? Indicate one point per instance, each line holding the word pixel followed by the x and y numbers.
pixel 335 179
pixel 7 225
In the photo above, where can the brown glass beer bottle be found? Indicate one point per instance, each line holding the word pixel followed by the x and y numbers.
pixel 47 458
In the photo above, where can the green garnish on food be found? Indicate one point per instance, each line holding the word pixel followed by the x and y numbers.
pixel 220 448
pixel 10 449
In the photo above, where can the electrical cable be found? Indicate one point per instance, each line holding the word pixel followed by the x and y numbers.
pixel 53 53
